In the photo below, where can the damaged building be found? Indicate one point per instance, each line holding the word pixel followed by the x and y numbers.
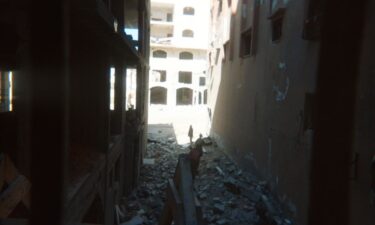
pixel 283 93
pixel 68 148
pixel 290 90
pixel 179 31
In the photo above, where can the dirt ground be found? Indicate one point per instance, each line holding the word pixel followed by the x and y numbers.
pixel 181 117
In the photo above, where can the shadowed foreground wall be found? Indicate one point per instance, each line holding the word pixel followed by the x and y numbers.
pixel 263 111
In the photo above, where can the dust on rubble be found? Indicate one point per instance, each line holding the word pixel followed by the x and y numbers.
pixel 227 194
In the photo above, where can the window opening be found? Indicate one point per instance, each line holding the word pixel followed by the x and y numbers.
pixel 189 11
pixel 112 89
pixel 159 76
pixel 131 88
pixel 6 91
pixel 169 17
pixel 202 81
pixel 159 54
pixel 311 29
pixel 188 33
pixel 158 95
pixel 185 77
pixel 184 96
pixel 277 24
pixel 245 44
pixel 186 55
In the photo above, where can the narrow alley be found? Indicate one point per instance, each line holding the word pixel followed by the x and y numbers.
pixel 227 194
pixel 103 104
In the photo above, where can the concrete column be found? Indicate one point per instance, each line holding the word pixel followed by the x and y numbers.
pixel 90 95
pixel 171 96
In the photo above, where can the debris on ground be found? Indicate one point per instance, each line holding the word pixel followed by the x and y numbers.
pixel 227 194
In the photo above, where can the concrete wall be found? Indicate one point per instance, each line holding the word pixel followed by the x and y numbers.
pixel 361 210
pixel 258 113
pixel 261 103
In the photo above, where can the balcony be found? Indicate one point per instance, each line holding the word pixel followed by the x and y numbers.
pixel 162 22
pixel 161 40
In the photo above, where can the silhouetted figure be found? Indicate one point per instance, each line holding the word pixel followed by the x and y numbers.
pixel 190 134
pixel 195 154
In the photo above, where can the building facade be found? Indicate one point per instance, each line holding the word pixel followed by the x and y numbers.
pixel 179 35
pixel 265 63
pixel 69 149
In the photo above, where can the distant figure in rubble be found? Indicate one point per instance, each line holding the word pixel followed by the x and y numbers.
pixel 190 134
pixel 195 154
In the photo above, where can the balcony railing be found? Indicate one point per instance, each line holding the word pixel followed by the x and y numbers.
pixel 161 40
pixel 168 20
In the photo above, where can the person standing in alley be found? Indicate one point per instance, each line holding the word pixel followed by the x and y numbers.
pixel 190 134
pixel 195 154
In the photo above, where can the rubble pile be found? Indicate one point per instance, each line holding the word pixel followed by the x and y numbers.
pixel 231 196
pixel 227 194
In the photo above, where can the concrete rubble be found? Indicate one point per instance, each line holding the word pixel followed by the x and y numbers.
pixel 228 195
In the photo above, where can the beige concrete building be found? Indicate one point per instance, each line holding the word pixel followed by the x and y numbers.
pixel 179 37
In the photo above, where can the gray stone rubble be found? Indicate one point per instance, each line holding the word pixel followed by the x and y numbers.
pixel 229 196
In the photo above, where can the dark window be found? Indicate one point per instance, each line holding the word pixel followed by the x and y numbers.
pixel 245 45
pixel 309 111
pixel 169 35
pixel 277 24
pixel 189 11
pixel 158 95
pixel 169 17
pixel 226 47
pixel 202 81
pixel 205 97
pixel 185 77
pixel 277 27
pixel 311 28
pixel 159 75
pixel 184 96
pixel 187 33
pixel 217 56
pixel 159 54
pixel 186 55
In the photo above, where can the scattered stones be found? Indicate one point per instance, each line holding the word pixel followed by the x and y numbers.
pixel 219 208
pixel 148 161
pixel 228 195
pixel 222 222
pixel 232 186
pixel 137 220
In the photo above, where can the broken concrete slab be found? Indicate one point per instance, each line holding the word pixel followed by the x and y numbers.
pixel 238 202
pixel 147 161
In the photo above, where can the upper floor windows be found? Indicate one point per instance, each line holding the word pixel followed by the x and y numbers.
pixel 189 11
pixel 159 54
pixel 186 55
pixel 187 33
